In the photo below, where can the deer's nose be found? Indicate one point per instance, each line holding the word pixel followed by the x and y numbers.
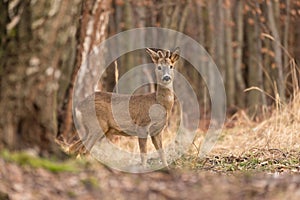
pixel 166 78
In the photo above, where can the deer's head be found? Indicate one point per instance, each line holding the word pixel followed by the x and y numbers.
pixel 164 61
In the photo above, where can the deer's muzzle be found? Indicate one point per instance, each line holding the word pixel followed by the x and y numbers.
pixel 166 78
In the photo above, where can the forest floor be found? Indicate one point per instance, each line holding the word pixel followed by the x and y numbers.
pixel 23 176
pixel 250 161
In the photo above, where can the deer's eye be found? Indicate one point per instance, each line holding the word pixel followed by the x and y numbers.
pixel 171 66
pixel 159 67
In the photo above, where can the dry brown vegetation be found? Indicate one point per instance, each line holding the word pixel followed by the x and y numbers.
pixel 280 131
pixel 271 146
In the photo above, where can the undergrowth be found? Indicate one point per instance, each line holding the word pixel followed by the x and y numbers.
pixel 25 159
pixel 257 160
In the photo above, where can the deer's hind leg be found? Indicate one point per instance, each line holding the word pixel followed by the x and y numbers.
pixel 93 134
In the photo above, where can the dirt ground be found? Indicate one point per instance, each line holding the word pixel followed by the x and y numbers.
pixel 94 181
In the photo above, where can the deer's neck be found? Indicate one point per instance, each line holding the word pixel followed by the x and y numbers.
pixel 165 96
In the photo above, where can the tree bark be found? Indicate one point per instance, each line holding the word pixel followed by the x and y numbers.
pixel 200 15
pixel 240 94
pixel 230 74
pixel 255 98
pixel 219 36
pixel 39 57
pixel 286 33
pixel 280 84
pixel 92 31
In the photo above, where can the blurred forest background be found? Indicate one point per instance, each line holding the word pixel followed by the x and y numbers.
pixel 255 44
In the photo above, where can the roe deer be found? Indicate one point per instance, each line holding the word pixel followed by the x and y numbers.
pixel 149 113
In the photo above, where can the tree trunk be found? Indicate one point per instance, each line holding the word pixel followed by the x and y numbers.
pixel 286 33
pixel 240 94
pixel 212 42
pixel 35 69
pixel 297 41
pixel 219 36
pixel 254 64
pixel 230 74
pixel 280 84
pixel 203 92
pixel 92 31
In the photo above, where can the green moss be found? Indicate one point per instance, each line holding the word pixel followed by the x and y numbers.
pixel 72 194
pixel 90 183
pixel 24 159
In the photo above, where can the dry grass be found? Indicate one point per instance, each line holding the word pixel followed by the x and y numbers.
pixel 280 131
pixel 272 145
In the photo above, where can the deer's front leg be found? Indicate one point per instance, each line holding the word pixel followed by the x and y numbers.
pixel 143 150
pixel 157 142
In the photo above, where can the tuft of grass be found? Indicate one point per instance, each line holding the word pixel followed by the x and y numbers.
pixel 24 159
pixel 72 194
pixel 90 183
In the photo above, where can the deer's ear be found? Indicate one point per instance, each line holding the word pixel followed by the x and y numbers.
pixel 175 55
pixel 153 54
